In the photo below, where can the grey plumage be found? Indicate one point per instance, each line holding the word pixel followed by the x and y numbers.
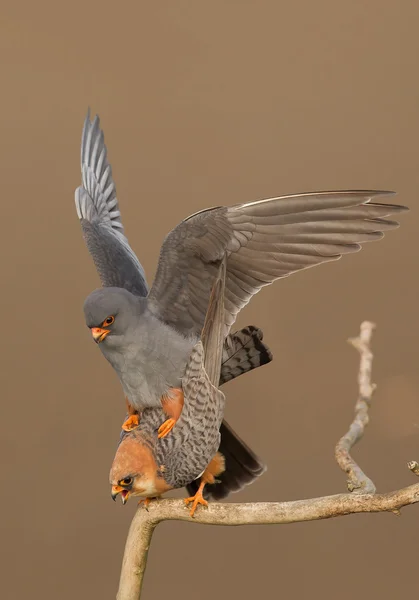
pixel 264 241
pixel 98 210
pixel 148 356
pixel 261 242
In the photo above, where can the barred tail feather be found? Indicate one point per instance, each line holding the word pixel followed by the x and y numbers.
pixel 243 351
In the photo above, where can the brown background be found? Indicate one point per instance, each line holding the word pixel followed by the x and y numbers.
pixel 204 104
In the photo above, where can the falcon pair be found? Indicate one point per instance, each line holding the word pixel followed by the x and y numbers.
pixel 171 345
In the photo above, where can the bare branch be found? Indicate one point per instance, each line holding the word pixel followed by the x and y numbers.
pixel 358 482
pixel 363 498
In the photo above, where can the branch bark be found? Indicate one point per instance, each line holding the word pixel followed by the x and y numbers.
pixel 361 496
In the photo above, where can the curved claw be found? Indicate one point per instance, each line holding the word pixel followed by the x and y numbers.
pixel 145 502
pixel 131 423
pixel 166 427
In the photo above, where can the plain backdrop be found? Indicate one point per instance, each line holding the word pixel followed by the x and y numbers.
pixel 207 103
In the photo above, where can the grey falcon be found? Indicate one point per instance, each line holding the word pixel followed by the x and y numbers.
pixel 147 334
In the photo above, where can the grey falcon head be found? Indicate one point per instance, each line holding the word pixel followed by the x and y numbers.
pixel 110 312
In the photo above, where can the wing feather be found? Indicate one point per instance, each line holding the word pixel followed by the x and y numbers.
pixel 262 241
pixel 98 210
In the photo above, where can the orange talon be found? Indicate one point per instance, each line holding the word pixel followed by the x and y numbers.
pixel 166 427
pixel 197 499
pixel 145 502
pixel 131 423
pixel 172 404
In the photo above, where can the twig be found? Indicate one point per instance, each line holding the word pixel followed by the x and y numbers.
pixel 363 498
pixel 414 467
pixel 358 482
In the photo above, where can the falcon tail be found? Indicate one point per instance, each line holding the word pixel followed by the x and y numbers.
pixel 242 467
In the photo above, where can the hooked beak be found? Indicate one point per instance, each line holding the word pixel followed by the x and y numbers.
pixel 99 334
pixel 117 489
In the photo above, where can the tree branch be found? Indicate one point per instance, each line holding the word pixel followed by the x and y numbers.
pixel 362 496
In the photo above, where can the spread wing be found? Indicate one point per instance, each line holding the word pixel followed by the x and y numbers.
pixel 262 241
pixel 98 211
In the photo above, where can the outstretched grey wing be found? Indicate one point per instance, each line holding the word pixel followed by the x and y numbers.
pixel 262 241
pixel 98 211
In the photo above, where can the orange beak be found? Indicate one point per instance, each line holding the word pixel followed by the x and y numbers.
pixel 99 334
pixel 117 489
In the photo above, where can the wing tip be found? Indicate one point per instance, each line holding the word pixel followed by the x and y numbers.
pixel 392 208
pixel 88 119
pixel 89 128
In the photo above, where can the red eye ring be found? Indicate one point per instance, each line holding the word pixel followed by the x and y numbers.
pixel 108 321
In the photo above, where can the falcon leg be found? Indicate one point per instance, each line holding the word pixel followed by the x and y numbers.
pixel 146 501
pixel 216 467
pixel 172 404
pixel 133 420
pixel 197 499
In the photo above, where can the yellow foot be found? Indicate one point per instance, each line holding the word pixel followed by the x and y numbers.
pixel 131 423
pixel 166 428
pixel 197 499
